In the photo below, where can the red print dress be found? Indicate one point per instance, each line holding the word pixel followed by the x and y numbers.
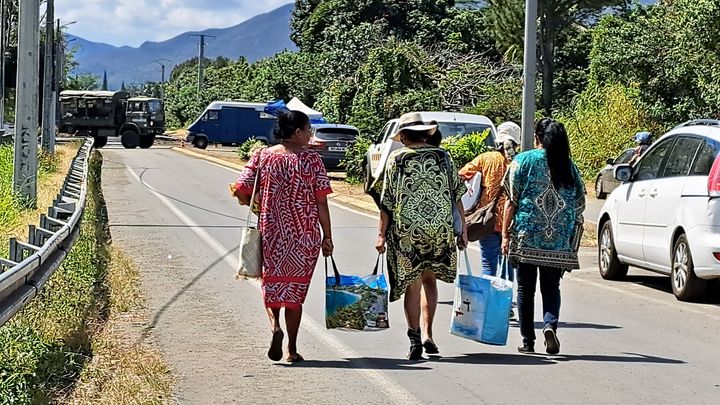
pixel 289 187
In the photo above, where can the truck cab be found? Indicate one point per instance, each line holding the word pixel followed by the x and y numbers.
pixel 144 119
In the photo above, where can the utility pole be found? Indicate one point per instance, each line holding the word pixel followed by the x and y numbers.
pixel 3 30
pixel 59 69
pixel 48 123
pixel 201 70
pixel 26 105
pixel 529 68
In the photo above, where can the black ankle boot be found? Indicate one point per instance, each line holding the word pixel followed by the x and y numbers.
pixel 416 347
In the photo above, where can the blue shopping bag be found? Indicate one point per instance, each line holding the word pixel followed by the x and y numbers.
pixel 354 302
pixel 481 309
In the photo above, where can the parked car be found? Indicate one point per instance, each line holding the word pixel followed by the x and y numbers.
pixel 332 141
pixel 665 216
pixel 605 181
pixel 449 124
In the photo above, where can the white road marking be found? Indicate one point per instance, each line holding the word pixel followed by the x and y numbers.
pixel 395 392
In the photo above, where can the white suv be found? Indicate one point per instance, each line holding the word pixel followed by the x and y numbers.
pixel 665 217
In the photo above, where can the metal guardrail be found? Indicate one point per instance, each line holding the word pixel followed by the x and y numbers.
pixel 29 265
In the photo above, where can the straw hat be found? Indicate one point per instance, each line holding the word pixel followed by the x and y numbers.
pixel 412 122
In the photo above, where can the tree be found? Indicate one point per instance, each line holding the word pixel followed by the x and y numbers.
pixel 105 82
pixel 122 86
pixel 85 81
pixel 506 18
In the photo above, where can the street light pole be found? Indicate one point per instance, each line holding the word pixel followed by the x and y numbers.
pixel 529 68
pixel 162 76
pixel 26 105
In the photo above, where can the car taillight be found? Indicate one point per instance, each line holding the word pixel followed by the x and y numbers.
pixel 316 143
pixel 714 179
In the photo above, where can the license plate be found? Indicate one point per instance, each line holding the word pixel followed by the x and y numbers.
pixel 337 148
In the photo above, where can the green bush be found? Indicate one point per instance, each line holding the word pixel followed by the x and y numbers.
pixel 601 124
pixel 463 149
pixel 354 163
pixel 249 147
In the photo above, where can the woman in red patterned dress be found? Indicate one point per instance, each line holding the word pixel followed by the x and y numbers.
pixel 292 195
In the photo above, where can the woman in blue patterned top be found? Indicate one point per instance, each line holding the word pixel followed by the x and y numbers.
pixel 542 226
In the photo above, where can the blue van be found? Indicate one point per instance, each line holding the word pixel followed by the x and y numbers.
pixel 230 122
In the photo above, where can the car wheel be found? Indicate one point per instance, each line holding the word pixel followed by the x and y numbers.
pixel 611 268
pixel 685 284
pixel 147 141
pixel 599 189
pixel 368 176
pixel 201 142
pixel 130 139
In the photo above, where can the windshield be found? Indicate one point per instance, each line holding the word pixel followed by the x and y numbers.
pixel 449 129
pixel 154 106
pixel 334 134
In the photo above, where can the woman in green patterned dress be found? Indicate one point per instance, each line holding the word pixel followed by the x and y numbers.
pixel 420 187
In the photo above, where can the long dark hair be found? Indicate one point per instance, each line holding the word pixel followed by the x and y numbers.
pixel 554 139
pixel 289 122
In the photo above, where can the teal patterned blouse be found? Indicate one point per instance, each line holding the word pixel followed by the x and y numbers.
pixel 548 223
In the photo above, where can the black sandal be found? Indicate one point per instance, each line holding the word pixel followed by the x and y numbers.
pixel 430 347
pixel 416 347
pixel 276 351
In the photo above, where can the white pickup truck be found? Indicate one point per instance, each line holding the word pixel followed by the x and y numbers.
pixel 449 123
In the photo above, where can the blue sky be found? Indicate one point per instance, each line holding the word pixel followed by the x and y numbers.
pixel 132 22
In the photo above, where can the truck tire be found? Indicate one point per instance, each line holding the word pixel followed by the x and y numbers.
pixel 130 139
pixel 147 141
pixel 100 141
pixel 200 142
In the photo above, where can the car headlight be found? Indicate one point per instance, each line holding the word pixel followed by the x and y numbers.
pixel 152 123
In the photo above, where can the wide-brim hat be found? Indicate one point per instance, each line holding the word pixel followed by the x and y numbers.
pixel 508 131
pixel 412 122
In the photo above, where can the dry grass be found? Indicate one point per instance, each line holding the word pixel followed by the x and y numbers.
pixel 126 368
pixel 47 189
pixel 590 236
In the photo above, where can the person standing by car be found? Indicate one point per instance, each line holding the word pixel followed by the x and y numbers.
pixel 491 167
pixel 542 227
pixel 293 188
pixel 643 140
pixel 420 188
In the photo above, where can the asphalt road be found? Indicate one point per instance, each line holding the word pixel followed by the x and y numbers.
pixel 629 342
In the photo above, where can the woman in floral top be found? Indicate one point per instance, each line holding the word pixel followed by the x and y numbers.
pixel 542 226
pixel 420 188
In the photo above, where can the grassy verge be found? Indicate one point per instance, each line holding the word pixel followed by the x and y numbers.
pixel 48 345
pixel 125 368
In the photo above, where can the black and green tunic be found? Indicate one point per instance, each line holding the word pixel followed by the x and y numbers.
pixel 420 186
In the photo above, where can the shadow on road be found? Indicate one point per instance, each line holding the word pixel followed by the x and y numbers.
pixel 171 301
pixel 576 325
pixel 489 359
pixel 662 283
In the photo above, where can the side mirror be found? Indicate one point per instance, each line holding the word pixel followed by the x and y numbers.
pixel 623 173
pixel 611 161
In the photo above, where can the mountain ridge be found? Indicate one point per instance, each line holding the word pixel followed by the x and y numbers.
pixel 256 38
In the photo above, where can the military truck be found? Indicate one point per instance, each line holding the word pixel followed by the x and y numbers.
pixel 102 114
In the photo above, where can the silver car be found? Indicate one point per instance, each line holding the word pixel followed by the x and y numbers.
pixel 605 181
